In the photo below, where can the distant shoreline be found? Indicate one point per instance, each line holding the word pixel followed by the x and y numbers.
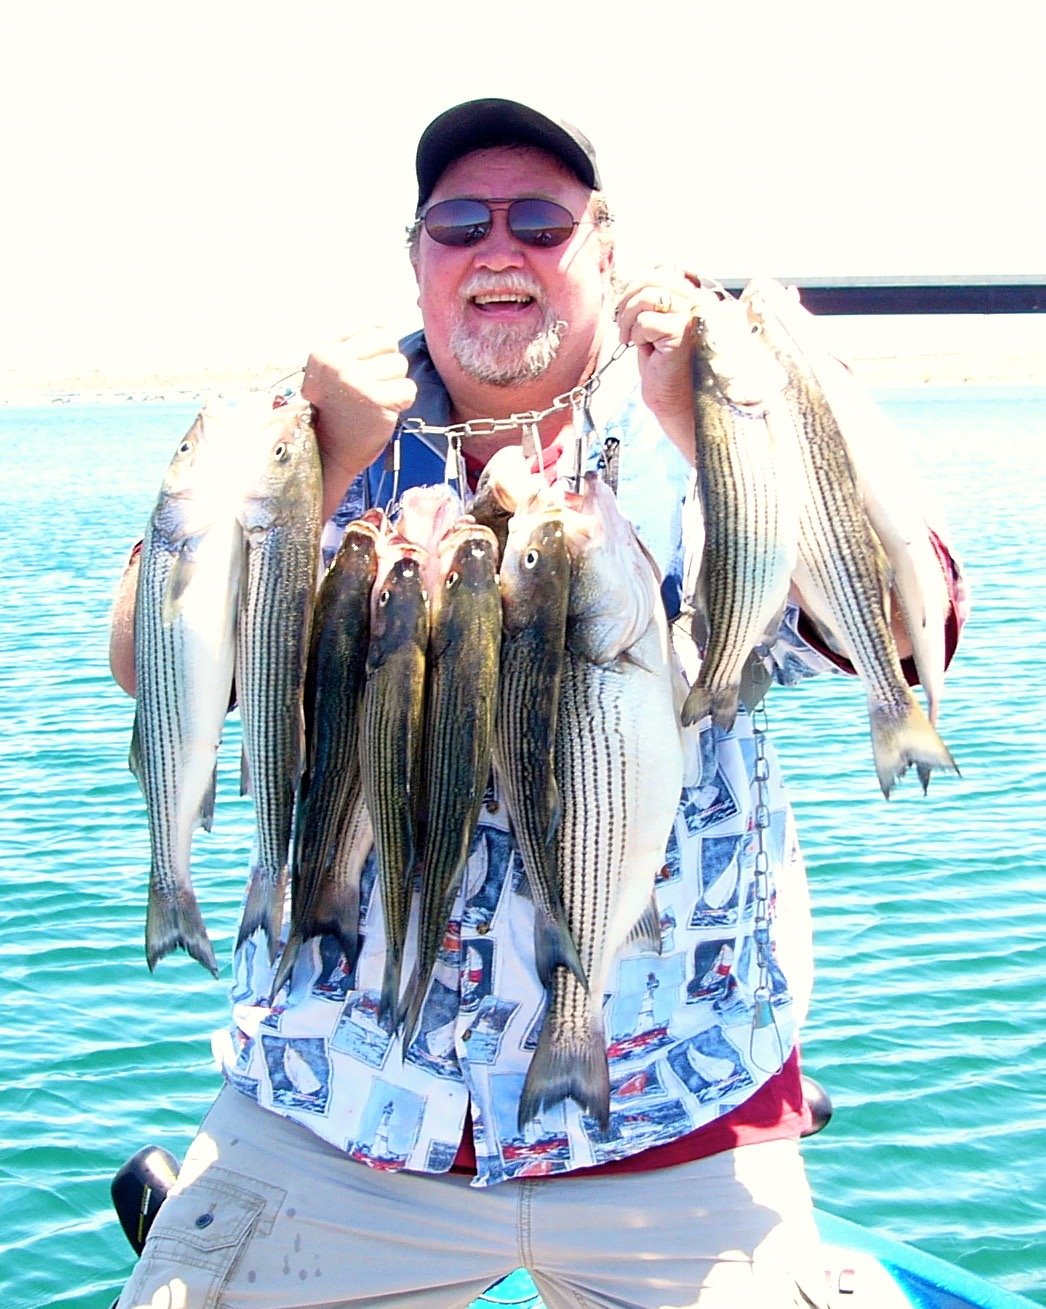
pixel 883 352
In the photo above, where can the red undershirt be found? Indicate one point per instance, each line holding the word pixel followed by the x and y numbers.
pixel 776 1112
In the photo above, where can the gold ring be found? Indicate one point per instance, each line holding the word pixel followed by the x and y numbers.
pixel 664 304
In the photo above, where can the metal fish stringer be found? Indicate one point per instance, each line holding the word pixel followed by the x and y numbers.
pixel 394 454
pixel 582 426
pixel 454 469
pixel 530 437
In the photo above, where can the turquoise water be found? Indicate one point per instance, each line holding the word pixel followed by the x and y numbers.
pixel 929 1012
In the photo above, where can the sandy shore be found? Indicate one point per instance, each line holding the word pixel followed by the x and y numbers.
pixel 883 352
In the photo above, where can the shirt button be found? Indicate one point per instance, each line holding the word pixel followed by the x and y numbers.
pixel 466 1034
pixel 482 928
pixel 204 1220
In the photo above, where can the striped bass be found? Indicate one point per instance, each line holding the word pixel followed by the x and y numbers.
pixel 534 582
pixel 184 640
pixel 391 718
pixel 281 518
pixel 619 767
pixel 884 478
pixel 427 513
pixel 843 574
pixel 747 487
pixel 460 701
pixel 506 482
pixel 332 832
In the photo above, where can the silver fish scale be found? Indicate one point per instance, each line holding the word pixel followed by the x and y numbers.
pixel 459 726
pixel 174 708
pixel 271 649
pixel 527 693
pixel 851 573
pixel 748 577
pixel 593 769
pixel 389 731
pixel 335 678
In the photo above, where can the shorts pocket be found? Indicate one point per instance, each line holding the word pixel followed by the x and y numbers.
pixel 198 1239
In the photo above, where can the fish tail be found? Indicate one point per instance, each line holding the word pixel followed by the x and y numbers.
pixel 410 1013
pixel 721 704
pixel 173 922
pixel 900 740
pixel 567 1066
pixel 389 1013
pixel 263 908
pixel 554 947
pixel 287 961
pixel 335 925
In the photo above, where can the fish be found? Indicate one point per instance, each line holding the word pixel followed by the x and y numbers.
pixel 893 499
pixel 506 482
pixel 184 640
pixel 619 768
pixel 427 513
pixel 281 517
pixel 465 620
pixel 842 573
pixel 747 486
pixel 391 721
pixel 534 581
pixel 332 831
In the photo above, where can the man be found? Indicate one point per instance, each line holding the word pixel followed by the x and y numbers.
pixel 337 1169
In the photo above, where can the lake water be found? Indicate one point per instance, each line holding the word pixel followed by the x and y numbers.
pixel 929 1018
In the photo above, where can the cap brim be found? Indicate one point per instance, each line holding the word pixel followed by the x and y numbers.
pixel 481 124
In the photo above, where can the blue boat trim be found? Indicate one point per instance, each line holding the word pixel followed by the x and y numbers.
pixel 929 1282
pixel 926 1281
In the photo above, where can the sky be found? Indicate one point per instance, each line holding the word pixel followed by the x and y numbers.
pixel 213 184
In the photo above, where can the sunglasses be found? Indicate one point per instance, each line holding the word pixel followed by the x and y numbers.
pixel 535 222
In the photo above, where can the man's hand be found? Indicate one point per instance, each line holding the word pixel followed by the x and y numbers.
pixel 359 387
pixel 656 314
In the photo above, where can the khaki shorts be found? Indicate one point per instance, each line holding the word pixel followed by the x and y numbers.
pixel 266 1215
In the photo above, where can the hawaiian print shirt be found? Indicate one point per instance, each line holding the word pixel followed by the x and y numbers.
pixel 692 1031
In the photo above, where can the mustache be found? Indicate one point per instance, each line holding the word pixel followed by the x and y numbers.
pixel 511 280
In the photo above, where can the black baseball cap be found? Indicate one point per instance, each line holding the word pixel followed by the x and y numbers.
pixel 479 124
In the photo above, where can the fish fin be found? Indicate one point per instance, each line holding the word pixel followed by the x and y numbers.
pixel 567 1067
pixel 898 741
pixel 721 704
pixel 411 1009
pixel 134 756
pixel 205 815
pixel 647 931
pixel 554 947
pixel 287 961
pixel 174 922
pixel 756 679
pixel 263 908
pixel 700 626
pixel 337 915
pixel 178 579
pixel 390 1015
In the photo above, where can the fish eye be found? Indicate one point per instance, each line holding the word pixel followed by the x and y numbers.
pixel 280 451
pixel 531 558
pixel 452 579
pixel 185 447
pixel 384 597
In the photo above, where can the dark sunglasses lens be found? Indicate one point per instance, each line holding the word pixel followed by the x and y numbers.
pixel 458 222
pixel 540 222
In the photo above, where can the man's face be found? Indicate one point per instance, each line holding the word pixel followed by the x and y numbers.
pixel 501 312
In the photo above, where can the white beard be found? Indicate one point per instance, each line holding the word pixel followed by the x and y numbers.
pixel 505 354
